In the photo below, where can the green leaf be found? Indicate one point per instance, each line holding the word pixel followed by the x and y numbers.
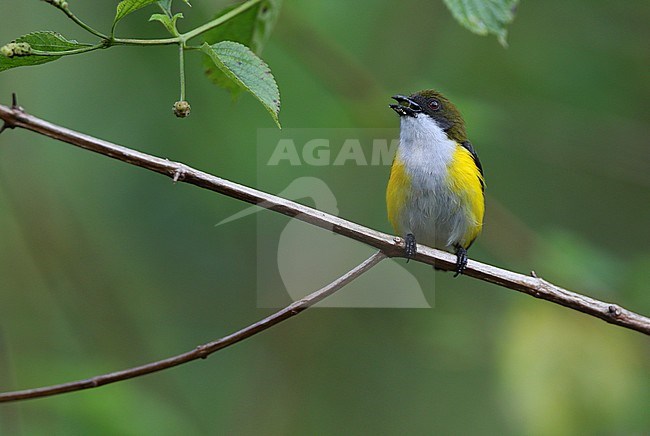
pixel 169 23
pixel 484 16
pixel 125 7
pixel 43 41
pixel 248 71
pixel 251 28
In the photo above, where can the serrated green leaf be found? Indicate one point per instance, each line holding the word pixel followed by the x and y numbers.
pixel 125 7
pixel 484 16
pixel 248 71
pixel 169 23
pixel 251 28
pixel 43 41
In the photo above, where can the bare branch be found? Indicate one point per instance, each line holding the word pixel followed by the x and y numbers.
pixel 389 245
pixel 202 351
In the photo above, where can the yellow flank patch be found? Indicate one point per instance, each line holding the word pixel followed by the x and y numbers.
pixel 397 191
pixel 465 180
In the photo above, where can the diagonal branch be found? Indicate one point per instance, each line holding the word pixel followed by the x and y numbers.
pixel 202 351
pixel 389 245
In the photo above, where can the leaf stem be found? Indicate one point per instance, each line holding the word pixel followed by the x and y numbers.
pixel 74 18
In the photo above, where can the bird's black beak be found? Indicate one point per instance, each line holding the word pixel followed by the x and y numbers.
pixel 405 107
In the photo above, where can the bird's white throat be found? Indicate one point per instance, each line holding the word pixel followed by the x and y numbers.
pixel 425 150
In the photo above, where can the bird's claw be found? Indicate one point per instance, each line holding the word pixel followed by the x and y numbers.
pixel 410 247
pixel 461 261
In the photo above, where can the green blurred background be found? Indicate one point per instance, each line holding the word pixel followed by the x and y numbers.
pixel 104 266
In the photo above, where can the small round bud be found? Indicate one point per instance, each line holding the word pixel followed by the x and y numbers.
pixel 182 109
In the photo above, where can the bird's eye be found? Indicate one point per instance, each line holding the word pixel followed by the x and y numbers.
pixel 434 105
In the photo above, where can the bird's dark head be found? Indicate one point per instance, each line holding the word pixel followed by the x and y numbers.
pixel 431 103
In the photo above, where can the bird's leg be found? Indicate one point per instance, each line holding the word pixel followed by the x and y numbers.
pixel 410 246
pixel 461 260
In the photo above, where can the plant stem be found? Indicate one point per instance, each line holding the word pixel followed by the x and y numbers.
pixel 109 41
pixel 129 41
pixel 181 61
pixel 189 35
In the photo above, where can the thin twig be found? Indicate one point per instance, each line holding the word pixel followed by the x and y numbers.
pixel 202 351
pixel 391 245
pixel 388 244
pixel 66 10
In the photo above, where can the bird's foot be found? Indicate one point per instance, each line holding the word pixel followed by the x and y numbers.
pixel 461 260
pixel 410 246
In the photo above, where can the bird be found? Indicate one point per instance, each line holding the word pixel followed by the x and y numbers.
pixel 436 188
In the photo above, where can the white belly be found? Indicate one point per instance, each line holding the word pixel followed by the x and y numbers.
pixel 435 218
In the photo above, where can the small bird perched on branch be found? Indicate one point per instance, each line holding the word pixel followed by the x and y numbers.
pixel 435 190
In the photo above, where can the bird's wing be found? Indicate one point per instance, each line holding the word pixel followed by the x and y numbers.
pixel 468 146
